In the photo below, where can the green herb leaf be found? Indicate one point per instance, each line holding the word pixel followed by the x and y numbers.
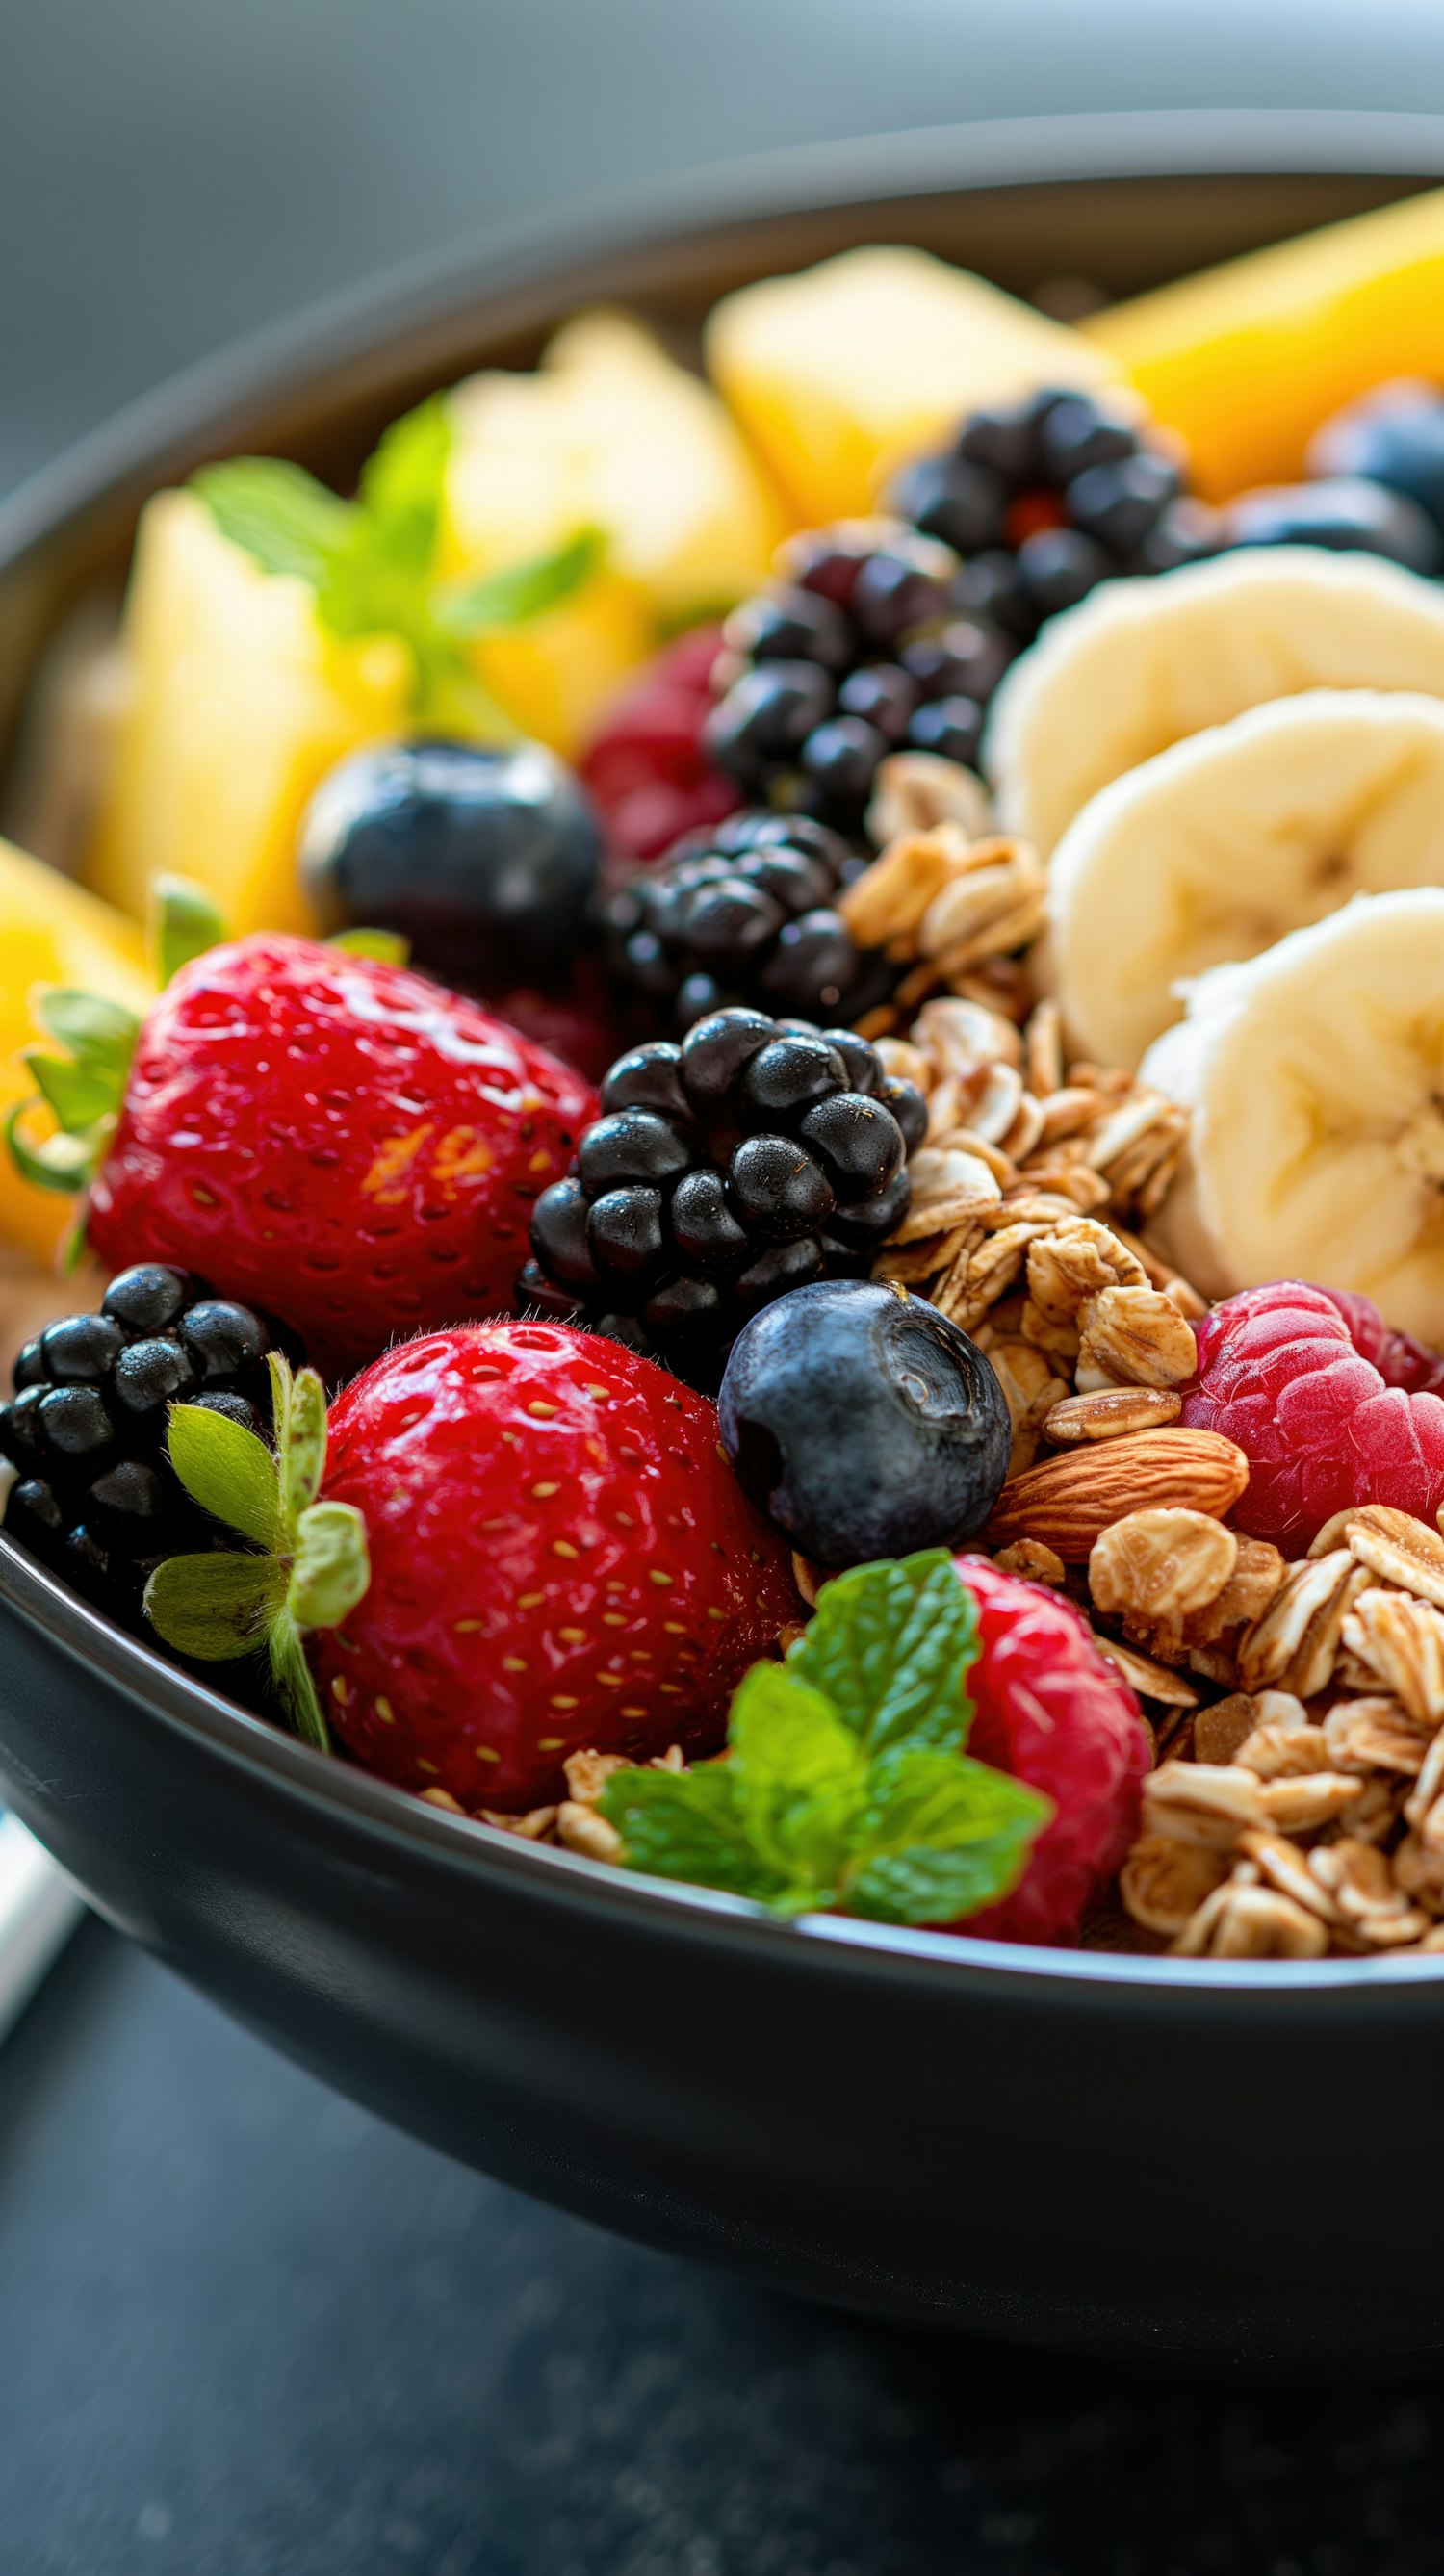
pixel 280 514
pixel 942 1835
pixel 332 1568
pixel 100 1035
pixel 64 1163
pixel 518 592
pixel 890 1646
pixel 214 1607
pixel 185 922
pixel 403 486
pixel 800 1778
pixel 79 1096
pixel 688 1825
pixel 390 946
pixel 229 1472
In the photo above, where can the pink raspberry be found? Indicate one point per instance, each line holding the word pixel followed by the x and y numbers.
pixel 1053 1711
pixel 645 768
pixel 1330 1406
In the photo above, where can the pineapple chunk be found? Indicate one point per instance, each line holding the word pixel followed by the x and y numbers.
pixel 1246 360
pixel 237 705
pixel 840 374
pixel 52 932
pixel 607 433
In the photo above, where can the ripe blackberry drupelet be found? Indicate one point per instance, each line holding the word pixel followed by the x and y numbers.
pixel 887 633
pixel 744 914
pixel 756 1156
pixel 94 1494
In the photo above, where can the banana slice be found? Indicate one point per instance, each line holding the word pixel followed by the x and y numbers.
pixel 1220 846
pixel 1140 664
pixel 1315 1074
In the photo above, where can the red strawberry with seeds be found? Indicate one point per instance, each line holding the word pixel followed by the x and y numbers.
pixel 327 1134
pixel 548 1553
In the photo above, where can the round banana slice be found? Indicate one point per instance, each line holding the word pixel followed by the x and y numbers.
pixel 1220 846
pixel 1140 664
pixel 1315 1075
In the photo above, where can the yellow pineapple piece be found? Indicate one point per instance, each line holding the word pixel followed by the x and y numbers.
pixel 1246 360
pixel 52 932
pixel 840 374
pixel 236 706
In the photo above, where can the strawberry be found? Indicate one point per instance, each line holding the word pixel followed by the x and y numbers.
pixel 508 1543
pixel 316 1130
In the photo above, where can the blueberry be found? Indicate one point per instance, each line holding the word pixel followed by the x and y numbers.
pixel 857 1141
pixel 779 1192
pixel 1347 513
pixel 484 857
pixel 148 1298
pixel 81 1349
pixel 765 715
pixel 863 1423
pixel 632 1145
pixel 785 1079
pixel 964 504
pixel 702 1225
pixel 559 1234
pixel 1394 437
pixel 791 625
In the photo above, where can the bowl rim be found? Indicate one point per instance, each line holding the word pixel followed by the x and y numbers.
pixel 134 444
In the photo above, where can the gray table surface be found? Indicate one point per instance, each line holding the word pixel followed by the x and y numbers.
pixel 244 2330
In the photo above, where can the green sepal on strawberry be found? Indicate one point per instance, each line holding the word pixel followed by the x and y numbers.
pixel 309 1125
pixel 306 1563
pixel 847 1787
pixel 556 1558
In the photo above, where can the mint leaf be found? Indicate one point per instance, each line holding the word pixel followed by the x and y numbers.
pixel 942 1836
pixel 890 1646
pixel 688 1825
pixel 185 923
pixel 514 593
pixel 285 520
pixel 799 1778
pixel 214 1607
pixel 228 1471
pixel 403 486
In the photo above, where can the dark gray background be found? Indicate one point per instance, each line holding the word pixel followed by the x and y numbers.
pixel 244 2331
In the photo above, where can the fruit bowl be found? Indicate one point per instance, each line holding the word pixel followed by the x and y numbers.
pixel 906 2123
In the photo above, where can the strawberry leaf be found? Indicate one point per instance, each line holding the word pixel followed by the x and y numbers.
pixel 229 1472
pixel 185 922
pixel 299 1409
pixel 890 1646
pixel 214 1607
pixel 79 1096
pixel 390 947
pixel 332 1567
pixel 294 1685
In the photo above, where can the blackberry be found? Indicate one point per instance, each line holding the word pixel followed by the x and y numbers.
pixel 744 914
pixel 895 632
pixel 754 1157
pixel 94 1494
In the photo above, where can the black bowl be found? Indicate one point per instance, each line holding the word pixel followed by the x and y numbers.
pixel 1223 2163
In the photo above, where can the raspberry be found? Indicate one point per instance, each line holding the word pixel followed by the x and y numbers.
pixel 1330 1406
pixel 1051 1710
pixel 645 769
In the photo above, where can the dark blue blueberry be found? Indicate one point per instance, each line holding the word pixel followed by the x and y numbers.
pixel 485 858
pixel 1346 513
pixel 1395 437
pixel 863 1423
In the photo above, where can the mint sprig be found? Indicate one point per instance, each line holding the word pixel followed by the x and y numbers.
pixel 372 562
pixel 846 1787
pixel 305 1564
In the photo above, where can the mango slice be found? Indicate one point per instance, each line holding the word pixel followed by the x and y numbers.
pixel 840 374
pixel 52 932
pixel 1245 361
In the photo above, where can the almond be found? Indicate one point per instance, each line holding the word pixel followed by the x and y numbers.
pixel 1067 1502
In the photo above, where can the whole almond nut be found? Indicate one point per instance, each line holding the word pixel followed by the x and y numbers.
pixel 1068 1501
